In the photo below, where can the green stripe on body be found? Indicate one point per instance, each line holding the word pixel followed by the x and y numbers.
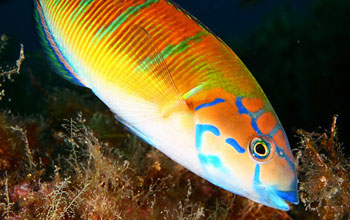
pixel 171 50
pixel 122 18
pixel 192 91
pixel 81 9
pixel 182 46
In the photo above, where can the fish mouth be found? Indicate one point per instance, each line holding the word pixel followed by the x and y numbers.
pixel 289 196
pixel 271 196
pixel 278 199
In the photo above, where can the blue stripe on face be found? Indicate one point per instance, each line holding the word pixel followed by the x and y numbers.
pixel 207 159
pixel 280 152
pixel 269 193
pixel 257 175
pixel 235 144
pixel 200 129
pixel 205 105
pixel 290 196
pixel 275 130
pixel 253 115
pixel 210 160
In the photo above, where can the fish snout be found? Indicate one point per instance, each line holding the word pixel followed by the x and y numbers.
pixel 278 199
pixel 289 196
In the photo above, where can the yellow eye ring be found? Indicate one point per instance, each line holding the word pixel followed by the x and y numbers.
pixel 262 149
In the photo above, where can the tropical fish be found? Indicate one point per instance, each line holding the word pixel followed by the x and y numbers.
pixel 176 85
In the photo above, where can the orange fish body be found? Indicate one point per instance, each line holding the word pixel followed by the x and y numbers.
pixel 176 85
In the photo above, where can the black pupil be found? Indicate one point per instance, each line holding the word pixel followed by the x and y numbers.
pixel 260 149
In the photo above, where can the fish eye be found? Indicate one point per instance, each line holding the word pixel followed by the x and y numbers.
pixel 261 149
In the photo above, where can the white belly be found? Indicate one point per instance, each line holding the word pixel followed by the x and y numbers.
pixel 169 135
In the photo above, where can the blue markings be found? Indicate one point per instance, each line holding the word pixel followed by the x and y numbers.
pixel 205 159
pixel 290 196
pixel 253 115
pixel 241 108
pixel 200 129
pixel 257 175
pixel 275 130
pixel 268 194
pixel 205 105
pixel 274 198
pixel 202 158
pixel 280 152
pixel 255 127
pixel 210 160
pixel 235 144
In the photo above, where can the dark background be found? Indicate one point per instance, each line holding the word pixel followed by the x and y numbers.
pixel 298 50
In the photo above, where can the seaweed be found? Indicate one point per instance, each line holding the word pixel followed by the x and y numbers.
pixel 323 174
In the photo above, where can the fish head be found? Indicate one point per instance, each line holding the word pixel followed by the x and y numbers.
pixel 243 148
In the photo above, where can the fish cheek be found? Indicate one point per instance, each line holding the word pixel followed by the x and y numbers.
pixel 241 166
pixel 237 133
pixel 209 145
pixel 236 157
pixel 277 173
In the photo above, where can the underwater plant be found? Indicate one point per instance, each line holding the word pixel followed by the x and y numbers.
pixel 324 174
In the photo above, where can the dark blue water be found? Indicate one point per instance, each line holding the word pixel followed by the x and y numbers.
pixel 226 18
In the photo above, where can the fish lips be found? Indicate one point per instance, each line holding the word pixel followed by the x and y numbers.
pixel 277 199
pixel 289 196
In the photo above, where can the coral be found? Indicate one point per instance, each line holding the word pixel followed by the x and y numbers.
pixel 323 174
